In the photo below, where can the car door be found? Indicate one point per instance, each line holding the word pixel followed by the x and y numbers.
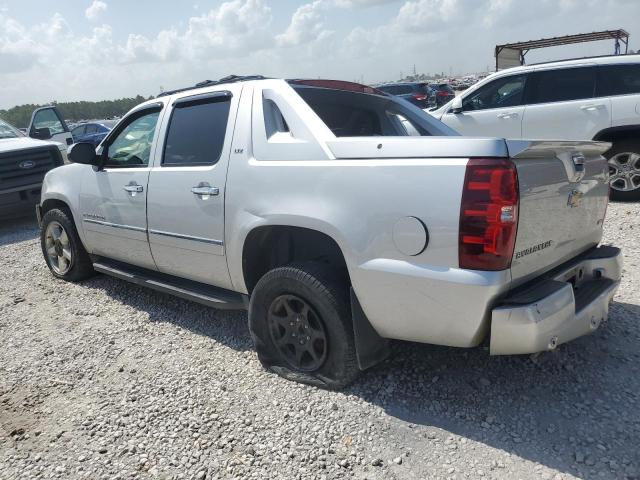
pixel 187 187
pixel 561 105
pixel 47 124
pixel 113 198
pixel 494 109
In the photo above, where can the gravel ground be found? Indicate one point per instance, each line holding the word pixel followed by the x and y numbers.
pixel 105 380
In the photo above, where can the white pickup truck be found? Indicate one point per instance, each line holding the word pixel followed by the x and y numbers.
pixel 340 217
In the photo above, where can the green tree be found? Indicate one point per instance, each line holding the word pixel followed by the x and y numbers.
pixel 20 116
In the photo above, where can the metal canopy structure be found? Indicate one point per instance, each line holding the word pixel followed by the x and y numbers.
pixel 512 54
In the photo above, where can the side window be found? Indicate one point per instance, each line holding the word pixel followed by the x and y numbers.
pixel 561 85
pixel 47 118
pixel 618 80
pixel 91 128
pixel 501 93
pixel 131 147
pixel 196 132
pixel 78 131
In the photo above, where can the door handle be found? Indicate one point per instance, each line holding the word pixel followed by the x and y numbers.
pixel 205 191
pixel 133 189
pixel 508 115
pixel 591 108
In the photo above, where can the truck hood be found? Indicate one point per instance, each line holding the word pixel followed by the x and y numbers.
pixel 24 143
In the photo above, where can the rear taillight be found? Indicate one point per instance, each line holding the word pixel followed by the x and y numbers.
pixel 488 214
pixel 419 96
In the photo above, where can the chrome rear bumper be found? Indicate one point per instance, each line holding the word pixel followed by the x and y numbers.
pixel 563 305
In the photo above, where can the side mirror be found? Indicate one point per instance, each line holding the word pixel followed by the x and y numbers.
pixel 41 133
pixel 456 105
pixel 84 153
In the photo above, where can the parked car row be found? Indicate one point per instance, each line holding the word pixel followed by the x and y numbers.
pixel 422 94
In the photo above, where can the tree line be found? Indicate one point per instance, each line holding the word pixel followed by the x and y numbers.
pixel 20 116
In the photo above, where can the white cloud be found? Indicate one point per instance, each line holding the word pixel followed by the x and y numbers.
pixel 50 60
pixel 96 9
pixel 306 24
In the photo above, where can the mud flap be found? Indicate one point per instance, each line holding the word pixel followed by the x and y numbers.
pixel 371 348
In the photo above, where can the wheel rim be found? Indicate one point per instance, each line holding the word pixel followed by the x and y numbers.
pixel 58 248
pixel 624 171
pixel 298 333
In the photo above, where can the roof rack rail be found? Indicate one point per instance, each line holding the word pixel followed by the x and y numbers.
pixel 209 83
pixel 622 55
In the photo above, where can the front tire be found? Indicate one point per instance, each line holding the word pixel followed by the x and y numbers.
pixel 300 322
pixel 624 171
pixel 61 246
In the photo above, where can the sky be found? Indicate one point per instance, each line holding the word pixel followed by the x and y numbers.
pixel 106 49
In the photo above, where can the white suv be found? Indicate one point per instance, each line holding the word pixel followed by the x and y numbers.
pixel 591 98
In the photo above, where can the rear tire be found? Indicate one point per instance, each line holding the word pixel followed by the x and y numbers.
pixel 61 246
pixel 300 322
pixel 624 168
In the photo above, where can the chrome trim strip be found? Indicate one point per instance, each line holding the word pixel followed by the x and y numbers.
pixel 187 237
pixel 114 225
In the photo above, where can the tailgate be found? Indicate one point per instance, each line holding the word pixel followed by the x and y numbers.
pixel 564 190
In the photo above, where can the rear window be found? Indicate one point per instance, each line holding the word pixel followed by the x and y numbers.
pixel 560 85
pixel 354 114
pixel 618 80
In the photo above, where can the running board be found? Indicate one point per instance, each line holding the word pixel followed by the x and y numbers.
pixel 189 290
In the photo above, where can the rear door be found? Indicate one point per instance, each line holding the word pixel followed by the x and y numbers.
pixel 187 187
pixel 561 105
pixel 113 199
pixel 494 110
pixel 47 124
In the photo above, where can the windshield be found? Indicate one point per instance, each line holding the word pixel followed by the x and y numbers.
pixel 355 114
pixel 9 131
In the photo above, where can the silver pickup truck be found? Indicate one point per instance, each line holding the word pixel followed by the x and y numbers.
pixel 340 217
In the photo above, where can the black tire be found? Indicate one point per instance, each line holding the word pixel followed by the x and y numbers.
pixel 624 146
pixel 81 266
pixel 327 296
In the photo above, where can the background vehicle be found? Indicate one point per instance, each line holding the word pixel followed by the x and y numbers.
pixel 591 98
pixel 23 164
pixel 92 132
pixel 443 93
pixel 301 201
pixel 418 93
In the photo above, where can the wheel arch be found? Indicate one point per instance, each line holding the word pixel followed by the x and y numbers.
pixel 270 246
pixel 613 134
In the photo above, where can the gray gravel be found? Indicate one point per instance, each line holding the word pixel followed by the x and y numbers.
pixel 104 380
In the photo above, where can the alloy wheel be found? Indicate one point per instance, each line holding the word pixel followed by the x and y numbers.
pixel 297 332
pixel 624 171
pixel 58 248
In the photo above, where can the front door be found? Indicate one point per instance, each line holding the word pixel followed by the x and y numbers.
pixel 494 110
pixel 187 187
pixel 47 124
pixel 113 199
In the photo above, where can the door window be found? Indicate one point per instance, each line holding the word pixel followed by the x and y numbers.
pixel 131 147
pixel 561 85
pixel 78 131
pixel 47 118
pixel 501 93
pixel 618 80
pixel 91 128
pixel 196 132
